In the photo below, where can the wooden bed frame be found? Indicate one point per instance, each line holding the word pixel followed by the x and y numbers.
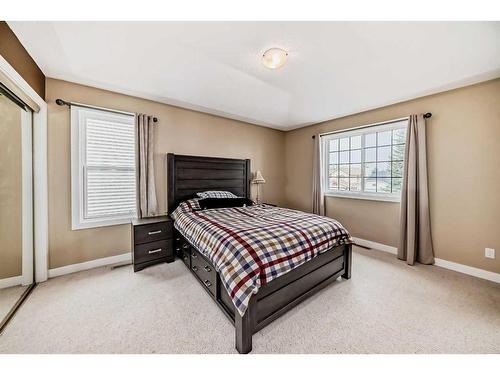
pixel 188 175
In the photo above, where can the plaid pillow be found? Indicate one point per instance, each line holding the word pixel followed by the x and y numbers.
pixel 187 206
pixel 216 194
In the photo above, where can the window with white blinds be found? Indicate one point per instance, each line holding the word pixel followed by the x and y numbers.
pixel 103 167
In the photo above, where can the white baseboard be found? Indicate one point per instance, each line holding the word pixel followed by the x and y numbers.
pixel 54 272
pixel 473 271
pixel 11 281
pixel 462 268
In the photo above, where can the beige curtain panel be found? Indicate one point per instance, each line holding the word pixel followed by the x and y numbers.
pixel 415 243
pixel 318 199
pixel 148 205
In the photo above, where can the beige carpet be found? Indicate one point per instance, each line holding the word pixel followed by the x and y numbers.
pixel 387 307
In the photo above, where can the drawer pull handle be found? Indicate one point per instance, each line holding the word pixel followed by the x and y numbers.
pixel 185 246
pixel 177 239
pixel 194 255
pixel 207 268
pixel 194 268
pixel 154 232
pixel 154 251
pixel 208 283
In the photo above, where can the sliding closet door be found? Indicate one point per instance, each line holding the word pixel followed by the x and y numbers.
pixel 16 203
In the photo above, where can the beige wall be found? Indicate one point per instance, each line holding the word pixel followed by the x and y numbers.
pixel 10 190
pixel 13 51
pixel 179 131
pixel 463 142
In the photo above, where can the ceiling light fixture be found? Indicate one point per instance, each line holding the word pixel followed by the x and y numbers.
pixel 274 58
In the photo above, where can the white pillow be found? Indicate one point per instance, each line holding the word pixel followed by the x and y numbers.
pixel 216 194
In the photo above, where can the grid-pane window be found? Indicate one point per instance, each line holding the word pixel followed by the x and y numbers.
pixel 367 161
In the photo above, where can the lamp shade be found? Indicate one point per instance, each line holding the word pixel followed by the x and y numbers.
pixel 258 179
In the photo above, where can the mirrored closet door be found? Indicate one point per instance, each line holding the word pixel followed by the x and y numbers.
pixel 16 203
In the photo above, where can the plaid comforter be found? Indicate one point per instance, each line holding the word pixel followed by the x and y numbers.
pixel 250 246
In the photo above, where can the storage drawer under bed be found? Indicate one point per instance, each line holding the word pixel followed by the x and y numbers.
pixel 202 268
pixel 183 250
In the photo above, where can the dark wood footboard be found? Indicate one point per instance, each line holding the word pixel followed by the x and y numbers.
pixel 282 294
pixel 273 299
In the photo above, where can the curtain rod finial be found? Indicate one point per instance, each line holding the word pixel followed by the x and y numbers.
pixel 61 102
pixel 428 115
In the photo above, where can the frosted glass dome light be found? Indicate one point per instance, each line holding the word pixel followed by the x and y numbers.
pixel 274 58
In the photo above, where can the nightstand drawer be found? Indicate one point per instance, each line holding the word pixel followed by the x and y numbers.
pixel 152 251
pixel 152 232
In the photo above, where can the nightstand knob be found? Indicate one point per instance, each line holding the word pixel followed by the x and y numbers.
pixel 207 268
pixel 208 283
pixel 185 246
pixel 194 268
pixel 194 255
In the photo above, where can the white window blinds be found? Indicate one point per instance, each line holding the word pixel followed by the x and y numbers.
pixel 106 175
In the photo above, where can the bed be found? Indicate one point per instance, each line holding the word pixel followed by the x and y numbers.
pixel 256 262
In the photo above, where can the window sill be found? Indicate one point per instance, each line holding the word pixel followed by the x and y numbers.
pixel 370 197
pixel 88 224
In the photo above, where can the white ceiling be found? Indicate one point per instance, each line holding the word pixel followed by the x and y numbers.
pixel 334 68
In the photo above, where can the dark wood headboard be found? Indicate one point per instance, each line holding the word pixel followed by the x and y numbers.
pixel 188 175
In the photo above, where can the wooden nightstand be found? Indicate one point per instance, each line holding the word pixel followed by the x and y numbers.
pixel 152 241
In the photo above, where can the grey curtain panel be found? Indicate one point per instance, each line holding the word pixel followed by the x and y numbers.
pixel 318 199
pixel 146 192
pixel 415 243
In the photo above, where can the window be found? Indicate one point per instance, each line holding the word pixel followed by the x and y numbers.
pixel 103 172
pixel 365 163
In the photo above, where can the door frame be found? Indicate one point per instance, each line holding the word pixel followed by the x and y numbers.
pixel 40 196
pixel 27 196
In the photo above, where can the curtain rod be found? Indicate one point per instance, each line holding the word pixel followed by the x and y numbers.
pixel 69 104
pixel 426 115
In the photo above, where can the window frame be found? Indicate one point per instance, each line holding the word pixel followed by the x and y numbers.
pixel 79 164
pixel 362 130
